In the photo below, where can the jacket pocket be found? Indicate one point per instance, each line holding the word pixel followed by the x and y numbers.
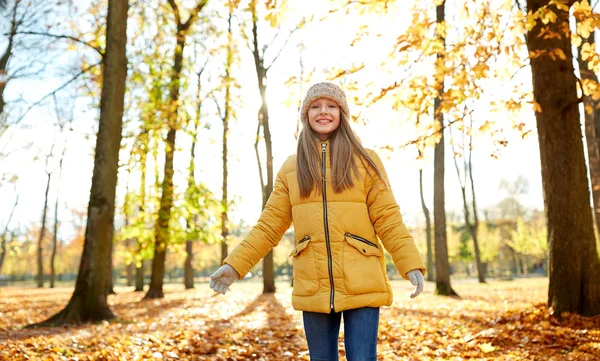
pixel 306 279
pixel 363 271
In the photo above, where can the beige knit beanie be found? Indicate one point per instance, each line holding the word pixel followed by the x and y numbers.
pixel 328 91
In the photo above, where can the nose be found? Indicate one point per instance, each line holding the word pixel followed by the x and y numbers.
pixel 323 109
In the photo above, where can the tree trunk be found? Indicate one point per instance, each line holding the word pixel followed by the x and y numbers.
pixel 263 122
pixel 139 277
pixel 225 151
pixel 3 237
pixel 139 271
pixel 55 233
pixel 442 267
pixel 481 270
pixel 4 59
pixel 166 201
pixel 88 302
pixel 129 271
pixel 188 275
pixel 592 130
pixel 40 259
pixel 3 240
pixel 574 261
pixel 430 272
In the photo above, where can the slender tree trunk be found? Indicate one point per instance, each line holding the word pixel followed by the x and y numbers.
pixel 263 122
pixel 592 129
pixel 88 302
pixel 4 236
pixel 188 276
pixel 7 54
pixel 442 267
pixel 139 262
pixel 129 271
pixel 139 277
pixel 3 241
pixel 40 259
pixel 188 269
pixel 430 272
pixel 574 261
pixel 225 151
pixel 166 202
pixel 472 227
pixel 481 269
pixel 55 233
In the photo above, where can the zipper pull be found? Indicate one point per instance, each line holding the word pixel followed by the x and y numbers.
pixel 323 146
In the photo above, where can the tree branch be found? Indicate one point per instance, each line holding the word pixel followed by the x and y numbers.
pixel 58 36
pixel 282 47
pixel 56 90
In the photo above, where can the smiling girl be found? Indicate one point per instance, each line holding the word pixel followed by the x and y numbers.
pixel 337 195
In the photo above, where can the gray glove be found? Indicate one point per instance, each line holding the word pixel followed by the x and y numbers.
pixel 223 278
pixel 417 280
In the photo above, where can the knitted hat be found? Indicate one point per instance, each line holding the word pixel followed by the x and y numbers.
pixel 328 91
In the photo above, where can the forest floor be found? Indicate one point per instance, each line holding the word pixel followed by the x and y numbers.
pixel 500 320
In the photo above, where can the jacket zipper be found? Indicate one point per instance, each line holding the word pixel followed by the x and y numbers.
pixel 361 239
pixel 326 224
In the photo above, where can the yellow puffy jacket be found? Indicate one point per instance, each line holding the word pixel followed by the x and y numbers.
pixel 338 260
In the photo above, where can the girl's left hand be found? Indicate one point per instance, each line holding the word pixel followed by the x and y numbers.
pixel 417 280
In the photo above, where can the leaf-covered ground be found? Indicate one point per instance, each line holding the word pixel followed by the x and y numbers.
pixel 501 320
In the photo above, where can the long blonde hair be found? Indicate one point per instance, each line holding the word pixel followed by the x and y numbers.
pixel 343 144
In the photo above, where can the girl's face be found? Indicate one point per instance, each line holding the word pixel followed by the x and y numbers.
pixel 324 117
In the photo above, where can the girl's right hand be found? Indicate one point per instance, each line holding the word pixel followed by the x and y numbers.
pixel 223 278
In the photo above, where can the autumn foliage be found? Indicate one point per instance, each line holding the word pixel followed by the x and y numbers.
pixel 502 320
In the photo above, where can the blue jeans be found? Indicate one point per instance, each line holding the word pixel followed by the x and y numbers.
pixel 360 334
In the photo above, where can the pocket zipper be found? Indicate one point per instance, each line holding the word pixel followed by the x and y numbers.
pixel 306 238
pixel 361 239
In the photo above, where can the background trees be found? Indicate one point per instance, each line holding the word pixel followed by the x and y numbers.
pixel 200 112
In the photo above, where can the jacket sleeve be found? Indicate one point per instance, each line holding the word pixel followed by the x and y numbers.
pixel 385 215
pixel 274 220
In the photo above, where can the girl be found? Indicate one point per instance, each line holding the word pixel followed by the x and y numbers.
pixel 338 197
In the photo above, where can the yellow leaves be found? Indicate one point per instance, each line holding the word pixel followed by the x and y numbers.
pixel 586 26
pixel 591 88
pixel 558 53
pixel 536 107
pixel 441 29
pixel 437 46
pixel 485 127
pixel 530 20
pixel 581 7
pixel 548 16
pixel 587 51
pixel 276 13
pixel 553 53
pixel 487 347
pixel 560 4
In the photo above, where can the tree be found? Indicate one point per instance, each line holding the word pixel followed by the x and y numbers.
pixel 472 225
pixel 88 302
pixel 591 105
pixel 226 116
pixel 40 248
pixel 56 222
pixel 262 70
pixel 574 260
pixel 166 202
pixel 4 236
pixel 427 214
pixel 442 267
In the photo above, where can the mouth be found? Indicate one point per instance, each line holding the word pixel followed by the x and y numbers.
pixel 323 121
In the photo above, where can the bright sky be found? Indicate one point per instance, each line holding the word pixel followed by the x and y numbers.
pixel 326 47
